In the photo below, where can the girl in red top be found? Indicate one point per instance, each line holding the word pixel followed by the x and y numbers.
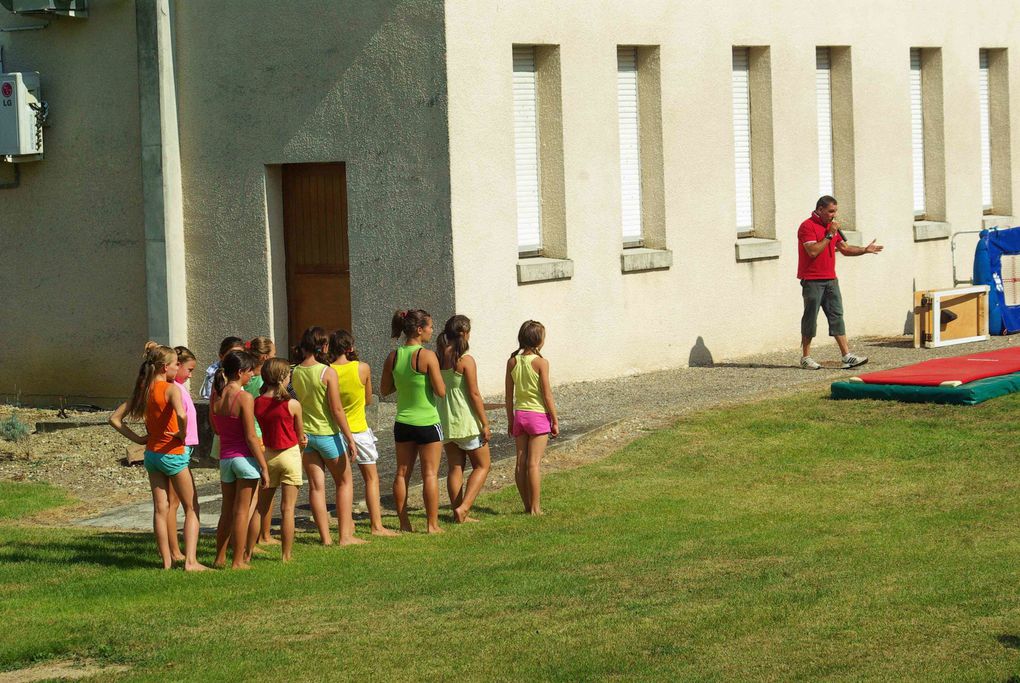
pixel 283 434
pixel 158 398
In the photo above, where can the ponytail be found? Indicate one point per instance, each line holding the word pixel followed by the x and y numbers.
pixel 407 322
pixel 341 343
pixel 312 342
pixel 234 363
pixel 452 340
pixel 157 357
pixel 530 337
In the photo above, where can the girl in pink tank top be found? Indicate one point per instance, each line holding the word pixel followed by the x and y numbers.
pixel 242 462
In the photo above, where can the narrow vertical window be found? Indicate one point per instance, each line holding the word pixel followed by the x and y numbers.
pixel 984 91
pixel 525 96
pixel 630 144
pixel 917 131
pixel 823 97
pixel 742 138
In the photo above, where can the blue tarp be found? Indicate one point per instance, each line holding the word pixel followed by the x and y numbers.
pixel 1002 319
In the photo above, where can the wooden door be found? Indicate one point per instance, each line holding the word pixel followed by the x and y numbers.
pixel 315 239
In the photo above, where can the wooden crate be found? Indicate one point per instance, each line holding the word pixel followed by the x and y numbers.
pixel 968 304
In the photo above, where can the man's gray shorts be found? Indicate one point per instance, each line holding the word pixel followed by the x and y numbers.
pixel 822 294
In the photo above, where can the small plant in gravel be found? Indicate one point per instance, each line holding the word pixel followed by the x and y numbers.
pixel 13 429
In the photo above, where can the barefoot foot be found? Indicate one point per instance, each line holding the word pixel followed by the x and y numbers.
pixel 195 567
pixel 383 531
pixel 353 540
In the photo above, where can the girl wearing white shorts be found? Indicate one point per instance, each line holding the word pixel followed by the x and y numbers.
pixel 462 414
pixel 355 383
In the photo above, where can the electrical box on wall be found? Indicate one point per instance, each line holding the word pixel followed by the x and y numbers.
pixel 22 114
pixel 66 8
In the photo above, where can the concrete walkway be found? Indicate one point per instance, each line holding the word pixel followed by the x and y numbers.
pixel 587 406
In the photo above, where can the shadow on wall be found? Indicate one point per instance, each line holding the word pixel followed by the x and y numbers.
pixel 908 325
pixel 700 356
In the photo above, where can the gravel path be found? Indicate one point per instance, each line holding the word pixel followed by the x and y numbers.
pixel 645 401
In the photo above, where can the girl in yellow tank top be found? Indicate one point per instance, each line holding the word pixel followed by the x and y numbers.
pixel 354 379
pixel 530 411
pixel 324 422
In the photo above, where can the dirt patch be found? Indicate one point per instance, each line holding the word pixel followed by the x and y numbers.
pixel 60 671
pixel 86 462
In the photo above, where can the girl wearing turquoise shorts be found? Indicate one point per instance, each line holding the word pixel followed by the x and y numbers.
pixel 330 441
pixel 413 372
pixel 158 399
pixel 242 462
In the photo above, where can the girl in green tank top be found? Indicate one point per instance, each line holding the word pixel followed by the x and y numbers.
pixel 413 372
pixel 315 384
pixel 530 411
pixel 462 413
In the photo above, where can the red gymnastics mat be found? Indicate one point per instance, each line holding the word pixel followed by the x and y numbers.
pixel 955 370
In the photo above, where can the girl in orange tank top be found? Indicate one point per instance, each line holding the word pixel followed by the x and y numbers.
pixel 157 398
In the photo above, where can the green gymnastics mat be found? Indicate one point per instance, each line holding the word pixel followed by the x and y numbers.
pixel 967 394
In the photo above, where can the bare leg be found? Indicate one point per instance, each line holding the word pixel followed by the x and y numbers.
pixel 254 525
pixel 844 347
pixel 288 501
pixel 536 449
pixel 407 452
pixel 480 464
pixel 263 512
pixel 315 469
pixel 371 477
pixel 160 502
pixel 171 524
pixel 183 484
pixel 343 480
pixel 454 474
pixel 805 346
pixel 431 455
pixel 229 492
pixel 266 520
pixel 246 489
pixel 521 470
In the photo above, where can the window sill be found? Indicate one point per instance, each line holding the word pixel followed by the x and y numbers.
pixel 757 249
pixel 541 269
pixel 932 230
pixel 997 221
pixel 855 238
pixel 641 259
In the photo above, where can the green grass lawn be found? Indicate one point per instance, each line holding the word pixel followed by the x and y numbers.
pixel 793 539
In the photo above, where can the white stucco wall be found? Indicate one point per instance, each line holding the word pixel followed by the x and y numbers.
pixel 72 260
pixel 604 323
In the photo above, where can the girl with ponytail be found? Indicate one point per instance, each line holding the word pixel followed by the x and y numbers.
pixel 242 462
pixel 462 414
pixel 354 380
pixel 530 411
pixel 330 441
pixel 413 372
pixel 158 399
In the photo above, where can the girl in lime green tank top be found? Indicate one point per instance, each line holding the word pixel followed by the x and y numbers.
pixel 355 383
pixel 462 414
pixel 324 421
pixel 413 372
pixel 530 411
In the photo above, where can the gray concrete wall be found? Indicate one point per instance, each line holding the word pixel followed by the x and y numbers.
pixel 72 261
pixel 264 83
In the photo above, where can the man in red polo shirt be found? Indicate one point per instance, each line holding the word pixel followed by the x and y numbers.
pixel 818 239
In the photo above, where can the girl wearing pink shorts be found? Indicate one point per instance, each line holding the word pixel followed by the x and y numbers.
pixel 530 411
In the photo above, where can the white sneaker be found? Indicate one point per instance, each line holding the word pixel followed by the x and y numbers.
pixel 808 363
pixel 852 360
